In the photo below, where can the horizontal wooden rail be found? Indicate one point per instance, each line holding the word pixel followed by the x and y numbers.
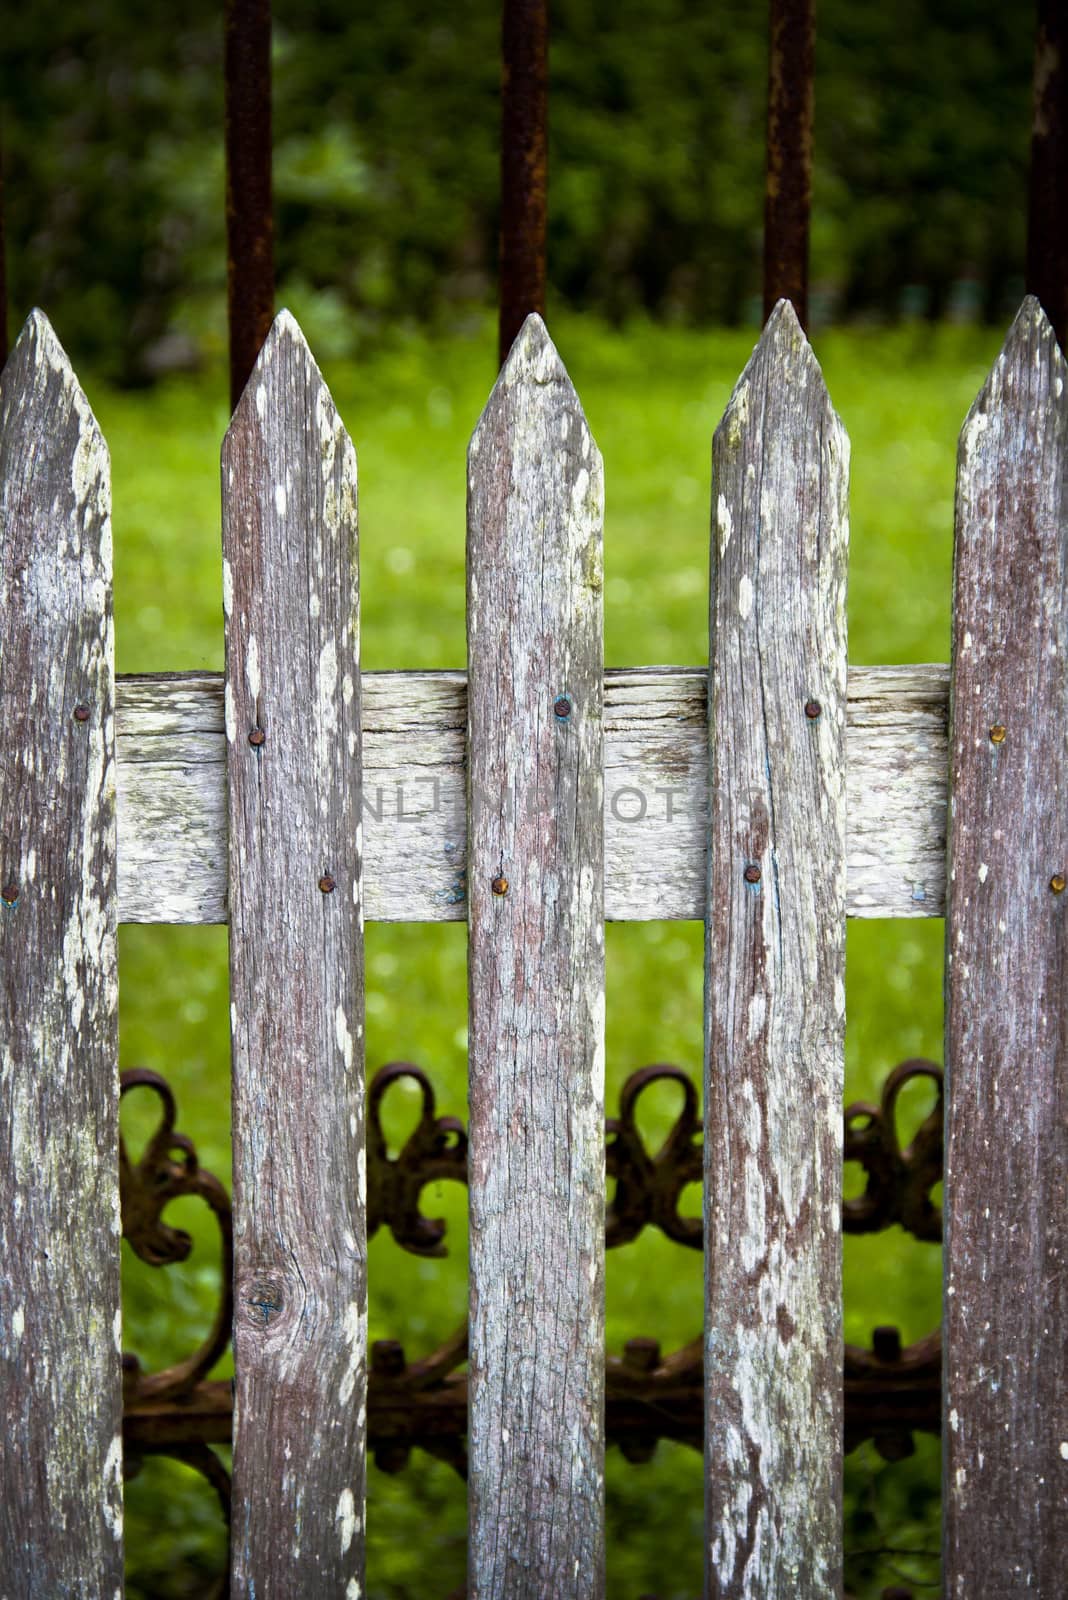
pixel 171 745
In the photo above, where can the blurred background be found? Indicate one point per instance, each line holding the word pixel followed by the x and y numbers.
pixel 386 166
pixel 387 213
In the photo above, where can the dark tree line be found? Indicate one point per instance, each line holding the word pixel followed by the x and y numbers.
pixel 386 162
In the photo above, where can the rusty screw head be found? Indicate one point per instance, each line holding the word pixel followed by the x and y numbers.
pixel 9 893
pixel 81 713
pixel 327 884
pixel 257 737
pixel 1057 882
pixel 562 707
pixel 752 873
pixel 997 733
pixel 813 709
pixel 499 885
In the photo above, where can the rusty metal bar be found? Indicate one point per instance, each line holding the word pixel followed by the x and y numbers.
pixel 1047 215
pixel 249 220
pixel 788 185
pixel 524 164
pixel 3 262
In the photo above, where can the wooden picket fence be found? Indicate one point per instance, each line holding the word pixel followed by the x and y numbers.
pixel 772 796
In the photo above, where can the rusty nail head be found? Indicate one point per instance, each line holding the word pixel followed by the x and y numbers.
pixel 327 884
pixel 562 706
pixel 752 873
pixel 257 737
pixel 499 885
pixel 997 733
pixel 9 893
pixel 81 713
pixel 1057 882
pixel 812 709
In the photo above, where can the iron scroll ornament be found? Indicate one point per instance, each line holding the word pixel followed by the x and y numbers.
pixel 890 1391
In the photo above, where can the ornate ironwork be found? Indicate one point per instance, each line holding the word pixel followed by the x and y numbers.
pixel 890 1391
pixel 168 1169
pixel 436 1148
pixel 899 1180
pixel 648 1187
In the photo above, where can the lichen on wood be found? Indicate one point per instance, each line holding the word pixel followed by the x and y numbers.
pixel 774 981
pixel 535 897
pixel 1005 1435
pixel 172 812
pixel 60 1320
pixel 292 721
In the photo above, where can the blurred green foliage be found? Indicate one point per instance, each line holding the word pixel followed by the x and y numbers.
pixel 653 396
pixel 386 165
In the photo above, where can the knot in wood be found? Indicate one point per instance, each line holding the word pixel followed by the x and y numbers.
pixel 264 1302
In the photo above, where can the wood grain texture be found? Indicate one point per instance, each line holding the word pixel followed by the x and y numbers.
pixel 775 971
pixel 536 986
pixel 296 982
pixel 172 799
pixel 60 1321
pixel 1006 1186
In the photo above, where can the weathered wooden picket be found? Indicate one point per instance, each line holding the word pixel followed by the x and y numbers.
pixel 772 795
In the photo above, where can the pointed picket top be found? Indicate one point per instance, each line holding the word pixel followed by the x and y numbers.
pixel 534 417
pixel 38 346
pixel 40 396
pixel 266 439
pixel 533 357
pixel 55 493
pixel 533 383
pixel 1029 370
pixel 286 364
pixel 285 342
pixel 782 348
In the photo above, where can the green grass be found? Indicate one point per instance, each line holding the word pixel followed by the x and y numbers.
pixel 652 397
